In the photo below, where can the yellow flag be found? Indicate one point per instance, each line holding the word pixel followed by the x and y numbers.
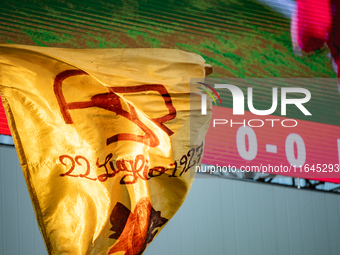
pixel 106 140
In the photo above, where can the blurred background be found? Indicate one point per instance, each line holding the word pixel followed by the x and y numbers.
pixel 224 213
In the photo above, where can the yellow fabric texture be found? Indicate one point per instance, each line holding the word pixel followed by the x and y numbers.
pixel 107 138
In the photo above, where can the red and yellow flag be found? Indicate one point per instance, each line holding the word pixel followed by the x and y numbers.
pixel 106 139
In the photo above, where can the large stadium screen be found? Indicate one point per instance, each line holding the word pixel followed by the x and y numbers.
pixel 242 40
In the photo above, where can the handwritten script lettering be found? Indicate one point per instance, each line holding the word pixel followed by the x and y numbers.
pixel 134 169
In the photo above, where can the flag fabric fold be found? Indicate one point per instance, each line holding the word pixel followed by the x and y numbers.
pixel 101 136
